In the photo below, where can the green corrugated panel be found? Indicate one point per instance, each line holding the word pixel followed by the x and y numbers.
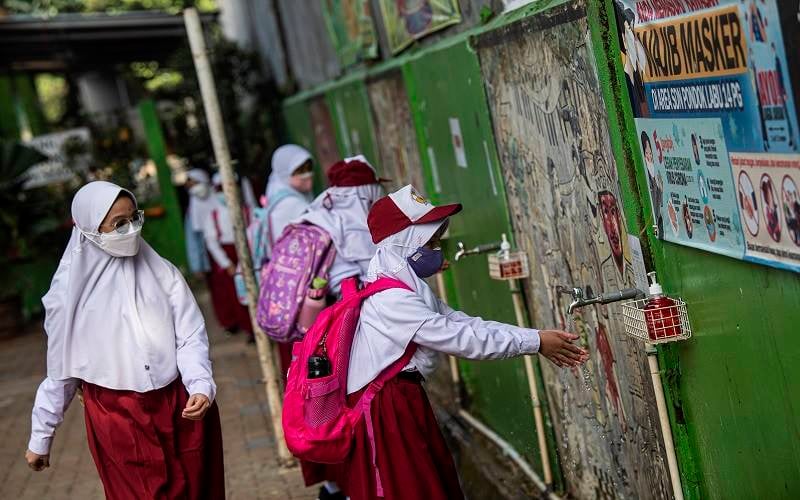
pixel 447 85
pixel 299 131
pixel 349 108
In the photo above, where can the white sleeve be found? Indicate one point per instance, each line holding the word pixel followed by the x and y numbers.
pixel 461 335
pixel 287 210
pixel 212 242
pixel 52 400
pixel 191 339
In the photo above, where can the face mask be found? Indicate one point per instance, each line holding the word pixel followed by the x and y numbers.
pixel 426 262
pixel 199 190
pixel 221 198
pixel 116 244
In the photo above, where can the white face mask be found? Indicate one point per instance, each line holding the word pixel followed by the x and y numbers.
pixel 200 190
pixel 116 244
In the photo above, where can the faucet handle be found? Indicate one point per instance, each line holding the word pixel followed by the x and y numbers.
pixel 573 291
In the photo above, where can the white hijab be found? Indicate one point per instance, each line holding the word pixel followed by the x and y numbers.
pixel 285 160
pixel 200 208
pixel 390 259
pixel 97 302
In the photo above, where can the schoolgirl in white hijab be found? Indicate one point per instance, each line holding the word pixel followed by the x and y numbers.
pixel 122 323
pixel 406 229
pixel 289 186
pixel 342 210
pixel 201 204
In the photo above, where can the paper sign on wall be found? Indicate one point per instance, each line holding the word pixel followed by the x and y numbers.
pixel 458 142
pixel 691 187
pixel 637 263
pixel 769 204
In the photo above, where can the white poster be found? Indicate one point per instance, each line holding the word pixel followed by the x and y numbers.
pixel 458 142
pixel 637 263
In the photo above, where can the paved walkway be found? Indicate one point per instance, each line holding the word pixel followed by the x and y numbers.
pixel 251 471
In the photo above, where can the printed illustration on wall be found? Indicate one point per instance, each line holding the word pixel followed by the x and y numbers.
pixel 691 189
pixel 564 199
pixel 769 203
pixel 351 29
pixel 408 20
pixel 711 77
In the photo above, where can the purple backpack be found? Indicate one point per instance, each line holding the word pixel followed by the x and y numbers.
pixel 302 253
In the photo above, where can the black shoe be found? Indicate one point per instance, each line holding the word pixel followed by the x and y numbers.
pixel 324 494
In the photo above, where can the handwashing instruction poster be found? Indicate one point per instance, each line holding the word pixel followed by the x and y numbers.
pixel 690 183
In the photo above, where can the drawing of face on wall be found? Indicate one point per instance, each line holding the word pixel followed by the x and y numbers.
pixel 695 150
pixel 768 202
pixel 612 225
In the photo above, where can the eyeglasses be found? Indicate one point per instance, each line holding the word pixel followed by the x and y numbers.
pixel 121 225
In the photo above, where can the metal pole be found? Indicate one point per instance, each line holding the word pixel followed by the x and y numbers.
pixel 194 30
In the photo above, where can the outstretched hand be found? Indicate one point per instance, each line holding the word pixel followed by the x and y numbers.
pixel 558 347
pixel 196 407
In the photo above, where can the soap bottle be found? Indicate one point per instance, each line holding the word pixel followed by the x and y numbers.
pixel 661 313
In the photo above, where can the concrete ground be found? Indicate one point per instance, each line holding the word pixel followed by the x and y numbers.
pixel 251 470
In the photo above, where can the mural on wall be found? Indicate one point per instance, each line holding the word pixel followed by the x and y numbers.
pixel 324 134
pixel 351 29
pixel 695 67
pixel 391 115
pixel 564 198
pixel 408 20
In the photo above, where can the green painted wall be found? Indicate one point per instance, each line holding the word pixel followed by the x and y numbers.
pixel 165 233
pixel 498 389
pixel 349 108
pixel 734 387
pixel 299 131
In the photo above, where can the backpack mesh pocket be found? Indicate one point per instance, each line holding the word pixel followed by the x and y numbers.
pixel 323 401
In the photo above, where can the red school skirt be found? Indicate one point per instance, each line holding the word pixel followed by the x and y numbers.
pixel 144 449
pixel 412 455
pixel 229 312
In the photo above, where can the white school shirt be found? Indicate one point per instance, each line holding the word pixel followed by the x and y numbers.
pixel 381 338
pixel 124 323
pixel 218 231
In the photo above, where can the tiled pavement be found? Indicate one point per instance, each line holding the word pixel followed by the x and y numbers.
pixel 251 470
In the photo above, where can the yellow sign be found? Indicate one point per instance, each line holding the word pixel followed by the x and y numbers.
pixel 711 43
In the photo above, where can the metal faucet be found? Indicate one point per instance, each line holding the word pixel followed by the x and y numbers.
pixel 578 299
pixel 485 248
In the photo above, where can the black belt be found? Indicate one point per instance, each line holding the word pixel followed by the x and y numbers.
pixel 412 376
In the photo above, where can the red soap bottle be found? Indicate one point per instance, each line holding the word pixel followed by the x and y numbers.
pixel 661 313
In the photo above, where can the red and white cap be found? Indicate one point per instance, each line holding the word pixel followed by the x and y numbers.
pixel 403 208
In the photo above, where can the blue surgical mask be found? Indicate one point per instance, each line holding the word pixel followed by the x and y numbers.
pixel 221 198
pixel 426 262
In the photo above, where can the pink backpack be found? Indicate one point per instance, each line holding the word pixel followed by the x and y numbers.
pixel 302 253
pixel 317 422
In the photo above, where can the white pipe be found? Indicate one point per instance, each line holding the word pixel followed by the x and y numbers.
pixel 509 451
pixel 533 388
pixel 194 30
pixel 666 429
